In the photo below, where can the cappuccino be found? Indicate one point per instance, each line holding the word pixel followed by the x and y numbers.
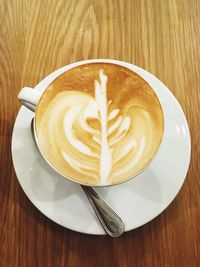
pixel 99 124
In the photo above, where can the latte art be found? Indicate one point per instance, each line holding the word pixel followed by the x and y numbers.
pixel 95 137
pixel 77 117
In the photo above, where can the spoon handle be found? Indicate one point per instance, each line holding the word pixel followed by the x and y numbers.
pixel 111 222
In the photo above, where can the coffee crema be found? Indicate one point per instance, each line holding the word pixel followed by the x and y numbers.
pixel 99 124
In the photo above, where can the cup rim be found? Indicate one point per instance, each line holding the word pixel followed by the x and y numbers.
pixel 62 70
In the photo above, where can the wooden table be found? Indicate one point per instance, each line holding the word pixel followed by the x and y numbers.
pixel 37 37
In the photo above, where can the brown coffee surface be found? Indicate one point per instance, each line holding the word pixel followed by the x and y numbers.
pixel 99 123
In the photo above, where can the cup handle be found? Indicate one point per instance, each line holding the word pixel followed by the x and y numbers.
pixel 29 97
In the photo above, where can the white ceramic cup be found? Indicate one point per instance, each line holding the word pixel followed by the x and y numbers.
pixel 30 97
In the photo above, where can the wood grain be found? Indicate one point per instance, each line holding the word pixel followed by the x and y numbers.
pixel 37 37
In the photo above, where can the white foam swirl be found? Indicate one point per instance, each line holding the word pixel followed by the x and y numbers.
pixel 73 140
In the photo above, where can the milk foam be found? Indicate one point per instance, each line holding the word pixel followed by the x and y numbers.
pixel 95 138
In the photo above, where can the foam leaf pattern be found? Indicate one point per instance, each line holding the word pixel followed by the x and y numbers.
pixel 113 127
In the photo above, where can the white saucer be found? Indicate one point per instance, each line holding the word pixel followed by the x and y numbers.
pixel 137 201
